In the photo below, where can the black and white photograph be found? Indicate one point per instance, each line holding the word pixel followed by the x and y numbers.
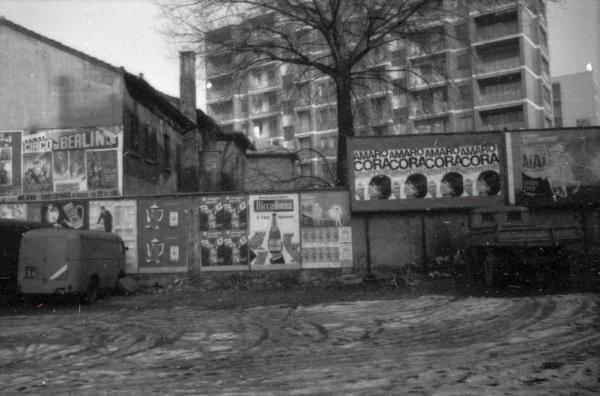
pixel 300 197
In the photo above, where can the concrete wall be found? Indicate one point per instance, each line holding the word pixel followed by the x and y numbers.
pixel 46 87
pixel 270 172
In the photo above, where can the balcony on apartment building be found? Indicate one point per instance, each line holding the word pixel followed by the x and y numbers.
pixel 438 125
pixel 425 79
pixel 428 109
pixel 509 118
pixel 218 65
pixel 221 113
pixel 500 90
pixel 490 6
pixel 263 79
pixel 497 57
pixel 496 26
pixel 264 104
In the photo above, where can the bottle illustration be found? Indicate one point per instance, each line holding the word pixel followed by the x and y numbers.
pixel 235 219
pixel 212 256
pixel 274 243
pixel 235 256
pixel 212 220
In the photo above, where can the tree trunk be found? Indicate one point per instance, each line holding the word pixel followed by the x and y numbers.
pixel 345 127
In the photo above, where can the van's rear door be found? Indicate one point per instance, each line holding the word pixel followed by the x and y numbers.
pixel 44 262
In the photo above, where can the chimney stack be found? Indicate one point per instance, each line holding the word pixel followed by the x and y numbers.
pixel 187 84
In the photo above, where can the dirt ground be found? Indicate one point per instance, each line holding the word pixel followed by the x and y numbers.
pixel 436 338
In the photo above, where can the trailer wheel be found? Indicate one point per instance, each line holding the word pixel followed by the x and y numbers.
pixel 91 294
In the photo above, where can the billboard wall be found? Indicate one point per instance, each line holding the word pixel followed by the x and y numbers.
pixel 554 167
pixel 326 230
pixel 161 236
pixel 426 171
pixel 61 164
pixel 274 230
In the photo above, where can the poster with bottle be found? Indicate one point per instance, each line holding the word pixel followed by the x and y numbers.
pixel 326 232
pixel 223 212
pixel 120 217
pixel 274 231
pixel 161 236
pixel 224 250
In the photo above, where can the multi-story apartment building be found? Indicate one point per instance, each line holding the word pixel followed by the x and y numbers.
pixel 483 66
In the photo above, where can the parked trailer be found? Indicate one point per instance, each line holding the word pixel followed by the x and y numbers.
pixel 64 261
pixel 504 244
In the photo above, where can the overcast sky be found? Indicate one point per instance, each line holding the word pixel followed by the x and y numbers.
pixel 127 33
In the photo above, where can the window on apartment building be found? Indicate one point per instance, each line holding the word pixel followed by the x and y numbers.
pixel 244 106
pixel 333 141
pixel 547 95
pixel 401 115
pixel 167 152
pixel 306 169
pixel 305 142
pixel 288 133
pixel 399 57
pixel 465 93
pixel 462 33
pixel 463 61
pixel 381 130
pixel 304 121
pixel 545 69
pixel 326 119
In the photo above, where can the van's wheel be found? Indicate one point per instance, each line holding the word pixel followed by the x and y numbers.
pixel 91 294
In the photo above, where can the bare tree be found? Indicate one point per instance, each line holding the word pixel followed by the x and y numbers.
pixel 334 38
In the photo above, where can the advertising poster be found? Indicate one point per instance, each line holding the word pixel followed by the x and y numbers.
pixel 119 217
pixel 223 213
pixel 72 163
pixel 10 164
pixel 102 172
pixel 555 168
pixel 326 231
pixel 13 211
pixel 224 249
pixel 161 236
pixel 66 214
pixel 224 232
pixel 425 171
pixel 37 163
pixel 274 231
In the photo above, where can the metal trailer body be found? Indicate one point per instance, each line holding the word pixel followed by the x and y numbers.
pixel 61 261
pixel 504 236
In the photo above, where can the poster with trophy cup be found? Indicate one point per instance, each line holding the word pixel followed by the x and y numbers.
pixel 161 236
